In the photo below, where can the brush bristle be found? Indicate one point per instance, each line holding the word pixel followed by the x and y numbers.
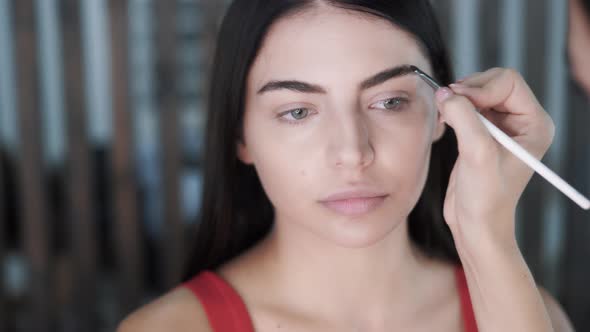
pixel 414 69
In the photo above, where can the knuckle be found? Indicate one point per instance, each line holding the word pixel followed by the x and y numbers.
pixel 512 73
pixel 547 126
pixel 550 129
pixel 457 102
pixel 496 69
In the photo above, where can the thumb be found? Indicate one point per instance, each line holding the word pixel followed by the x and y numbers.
pixel 474 140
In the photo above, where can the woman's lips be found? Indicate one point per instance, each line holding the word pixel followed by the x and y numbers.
pixel 354 206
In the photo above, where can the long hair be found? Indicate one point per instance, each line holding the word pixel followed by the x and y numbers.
pixel 235 211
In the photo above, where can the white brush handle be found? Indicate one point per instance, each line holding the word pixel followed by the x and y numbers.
pixel 535 164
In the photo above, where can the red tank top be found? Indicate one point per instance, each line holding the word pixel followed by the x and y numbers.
pixel 227 312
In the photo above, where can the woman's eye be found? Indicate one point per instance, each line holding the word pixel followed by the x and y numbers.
pixel 391 103
pixel 297 114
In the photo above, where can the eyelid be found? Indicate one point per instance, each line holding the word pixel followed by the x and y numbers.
pixel 392 93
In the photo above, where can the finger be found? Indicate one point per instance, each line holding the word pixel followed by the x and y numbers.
pixel 505 92
pixel 474 141
pixel 533 130
pixel 511 124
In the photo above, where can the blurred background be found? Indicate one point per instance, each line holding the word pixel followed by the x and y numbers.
pixel 101 139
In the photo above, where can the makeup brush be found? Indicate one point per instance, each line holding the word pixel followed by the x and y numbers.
pixel 518 151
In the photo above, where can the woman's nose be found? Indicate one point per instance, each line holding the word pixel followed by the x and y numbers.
pixel 350 144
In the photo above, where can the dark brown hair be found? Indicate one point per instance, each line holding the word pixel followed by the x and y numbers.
pixel 235 211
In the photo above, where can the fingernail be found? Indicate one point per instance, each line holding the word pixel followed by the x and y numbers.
pixel 461 80
pixel 443 94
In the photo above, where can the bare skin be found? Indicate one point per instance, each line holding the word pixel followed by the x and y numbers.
pixel 319 270
pixel 579 44
pixel 432 291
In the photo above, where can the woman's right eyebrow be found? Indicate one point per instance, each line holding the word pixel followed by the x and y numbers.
pixel 292 85
pixel 304 87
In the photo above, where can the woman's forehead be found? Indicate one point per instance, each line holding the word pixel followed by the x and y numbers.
pixel 331 45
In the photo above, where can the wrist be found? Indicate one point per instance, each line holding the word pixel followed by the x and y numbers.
pixel 502 288
pixel 487 243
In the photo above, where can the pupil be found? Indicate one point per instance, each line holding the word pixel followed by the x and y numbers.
pixel 299 113
pixel 391 103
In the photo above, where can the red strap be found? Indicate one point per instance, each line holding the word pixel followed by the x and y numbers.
pixel 223 305
pixel 466 307
pixel 227 312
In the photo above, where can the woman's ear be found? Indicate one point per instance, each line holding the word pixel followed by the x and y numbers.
pixel 440 128
pixel 243 153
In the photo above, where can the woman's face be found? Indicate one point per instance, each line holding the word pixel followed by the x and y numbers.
pixel 329 129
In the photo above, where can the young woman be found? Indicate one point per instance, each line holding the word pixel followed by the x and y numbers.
pixel 343 196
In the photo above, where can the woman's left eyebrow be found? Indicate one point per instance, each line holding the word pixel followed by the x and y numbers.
pixel 304 87
pixel 385 76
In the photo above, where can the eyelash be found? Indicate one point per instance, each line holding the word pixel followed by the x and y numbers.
pixel 401 102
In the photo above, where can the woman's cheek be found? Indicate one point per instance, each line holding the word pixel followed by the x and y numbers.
pixel 282 171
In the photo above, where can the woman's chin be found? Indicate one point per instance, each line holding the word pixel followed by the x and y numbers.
pixel 359 233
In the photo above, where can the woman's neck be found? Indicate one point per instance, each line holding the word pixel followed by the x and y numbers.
pixel 387 280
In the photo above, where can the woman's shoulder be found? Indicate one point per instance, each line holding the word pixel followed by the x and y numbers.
pixel 178 310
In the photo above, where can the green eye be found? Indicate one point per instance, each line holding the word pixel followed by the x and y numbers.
pixel 299 113
pixel 296 116
pixel 392 103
